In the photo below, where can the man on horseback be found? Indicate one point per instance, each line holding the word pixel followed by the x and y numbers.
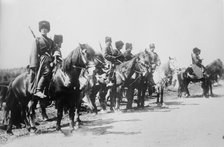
pixel 197 67
pixel 113 56
pixel 154 62
pixel 44 52
pixel 127 54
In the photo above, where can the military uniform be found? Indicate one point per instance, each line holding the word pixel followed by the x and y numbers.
pixel 155 61
pixel 113 56
pixel 44 51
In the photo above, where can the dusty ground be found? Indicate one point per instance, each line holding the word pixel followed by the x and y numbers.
pixel 194 121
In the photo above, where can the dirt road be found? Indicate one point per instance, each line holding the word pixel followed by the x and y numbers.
pixel 190 122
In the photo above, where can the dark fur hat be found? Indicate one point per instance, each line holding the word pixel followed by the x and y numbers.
pixel 44 24
pixel 196 50
pixel 128 45
pixel 119 44
pixel 108 39
pixel 58 39
pixel 152 45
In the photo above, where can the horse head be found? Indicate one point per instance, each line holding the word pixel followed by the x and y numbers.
pixel 87 53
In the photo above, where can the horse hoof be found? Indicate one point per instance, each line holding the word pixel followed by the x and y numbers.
pixel 58 128
pixel 9 132
pixel 76 127
pixel 33 130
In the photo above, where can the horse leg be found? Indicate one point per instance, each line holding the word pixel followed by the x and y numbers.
pixel 31 114
pixel 130 95
pixel 59 114
pixel 11 120
pixel 210 87
pixel 43 109
pixel 139 96
pixel 142 103
pixel 103 102
pixel 161 95
pixel 118 98
pixel 71 117
pixel 92 96
pixel 25 118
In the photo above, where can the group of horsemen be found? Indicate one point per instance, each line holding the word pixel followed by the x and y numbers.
pixel 46 54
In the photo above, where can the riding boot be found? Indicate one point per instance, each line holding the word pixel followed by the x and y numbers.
pixel 40 88
pixel 43 82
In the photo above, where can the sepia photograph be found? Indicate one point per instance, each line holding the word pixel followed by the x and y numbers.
pixel 112 73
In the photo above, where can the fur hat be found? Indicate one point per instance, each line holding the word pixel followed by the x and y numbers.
pixel 196 50
pixel 44 24
pixel 128 45
pixel 108 39
pixel 119 44
pixel 58 39
pixel 152 45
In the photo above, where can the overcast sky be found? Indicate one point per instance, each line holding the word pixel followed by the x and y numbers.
pixel 175 26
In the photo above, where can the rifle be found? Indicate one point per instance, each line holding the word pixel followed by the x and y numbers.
pixel 32 32
pixel 101 47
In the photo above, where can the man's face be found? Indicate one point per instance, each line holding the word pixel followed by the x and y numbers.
pixel 120 47
pixel 44 31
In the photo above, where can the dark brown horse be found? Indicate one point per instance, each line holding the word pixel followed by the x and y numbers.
pixel 64 88
pixel 212 70
pixel 123 78
pixel 139 80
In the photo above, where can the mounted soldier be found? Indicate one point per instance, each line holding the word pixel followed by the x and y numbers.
pixel 197 67
pixel 113 56
pixel 127 54
pixel 154 63
pixel 44 53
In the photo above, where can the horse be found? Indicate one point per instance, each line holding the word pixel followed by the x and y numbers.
pixel 214 70
pixel 211 72
pixel 139 80
pixel 63 87
pixel 163 77
pixel 123 74
pixel 92 84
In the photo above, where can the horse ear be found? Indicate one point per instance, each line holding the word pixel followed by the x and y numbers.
pixel 81 46
pixel 170 58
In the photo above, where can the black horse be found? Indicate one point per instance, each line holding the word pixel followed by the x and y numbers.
pixel 212 71
pixel 123 78
pixel 64 88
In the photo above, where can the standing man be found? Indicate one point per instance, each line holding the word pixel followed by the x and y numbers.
pixel 44 51
pixel 127 54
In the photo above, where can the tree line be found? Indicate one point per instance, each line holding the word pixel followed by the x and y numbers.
pixel 7 75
